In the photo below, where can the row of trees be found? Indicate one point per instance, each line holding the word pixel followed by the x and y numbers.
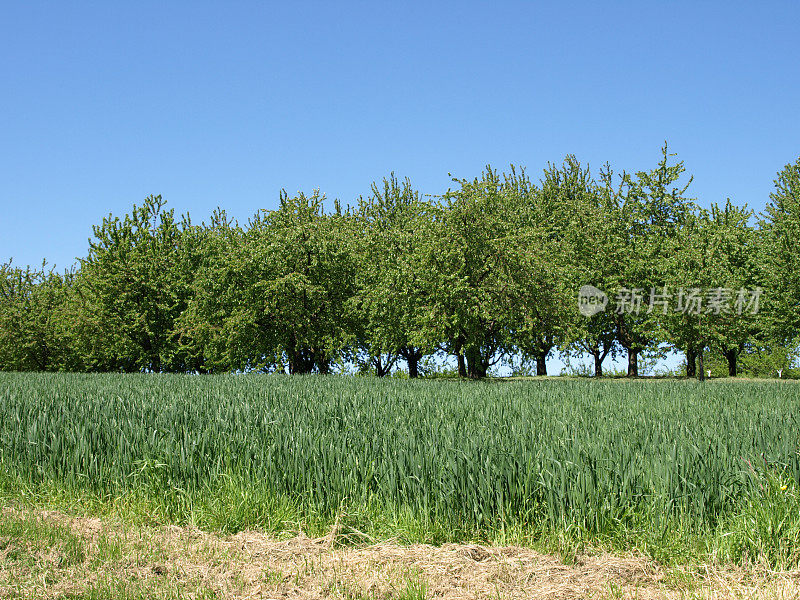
pixel 486 273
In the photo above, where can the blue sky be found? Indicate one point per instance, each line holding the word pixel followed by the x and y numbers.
pixel 223 104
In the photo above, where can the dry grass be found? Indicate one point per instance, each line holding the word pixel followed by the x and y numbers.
pixel 39 559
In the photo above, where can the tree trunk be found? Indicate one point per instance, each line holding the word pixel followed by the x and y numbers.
pixel 381 369
pixel 384 367
pixel 458 348
pixel 462 365
pixel 633 363
pixel 293 356
pixel 701 375
pixel 598 365
pixel 732 357
pixel 412 356
pixel 476 366
pixel 302 360
pixel 413 367
pixel 632 342
pixel 476 370
pixel 691 361
pixel 323 364
pixel 541 366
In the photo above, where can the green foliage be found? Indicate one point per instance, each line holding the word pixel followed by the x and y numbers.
pixel 588 225
pixel 718 255
pixel 780 231
pixel 36 309
pixel 548 250
pixel 216 329
pixel 468 258
pixel 135 283
pixel 392 230
pixel 649 210
pixel 487 273
pixel 759 361
pixel 302 275
pixel 492 269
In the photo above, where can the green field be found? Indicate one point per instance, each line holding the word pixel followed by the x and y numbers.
pixel 675 469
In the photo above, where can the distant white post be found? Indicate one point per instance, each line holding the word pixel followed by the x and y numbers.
pixel 780 373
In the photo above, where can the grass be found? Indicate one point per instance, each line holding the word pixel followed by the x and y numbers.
pixel 676 469
pixel 46 554
pixel 35 544
pixel 41 557
pixel 50 555
pixel 120 590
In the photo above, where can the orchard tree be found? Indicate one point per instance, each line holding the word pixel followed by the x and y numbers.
pixel 594 246
pixel 470 264
pixel 780 232
pixel 389 300
pixel 649 210
pixel 679 318
pixel 136 282
pixel 221 329
pixel 733 300
pixel 35 332
pixel 551 222
pixel 713 281
pixel 309 277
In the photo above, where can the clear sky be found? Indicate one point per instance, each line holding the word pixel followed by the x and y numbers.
pixel 226 103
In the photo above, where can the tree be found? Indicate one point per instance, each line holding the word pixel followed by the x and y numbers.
pixel 580 233
pixel 733 271
pixel 273 295
pixel 219 329
pixel 649 211
pixel 469 260
pixel 307 279
pixel 35 324
pixel 687 276
pixel 486 273
pixel 136 282
pixel 780 231
pixel 551 236
pixel 389 301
